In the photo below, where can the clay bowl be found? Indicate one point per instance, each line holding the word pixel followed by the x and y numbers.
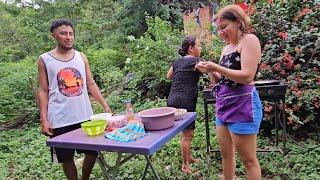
pixel 157 118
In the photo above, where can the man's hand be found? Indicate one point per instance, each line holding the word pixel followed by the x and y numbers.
pixel 107 109
pixel 46 128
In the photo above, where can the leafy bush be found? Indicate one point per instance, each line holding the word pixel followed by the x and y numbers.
pixel 17 98
pixel 105 65
pixel 290 36
pixel 152 55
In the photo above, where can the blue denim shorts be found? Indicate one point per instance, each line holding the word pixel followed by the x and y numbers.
pixel 246 127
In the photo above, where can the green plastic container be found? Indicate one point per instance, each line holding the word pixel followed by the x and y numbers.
pixel 94 128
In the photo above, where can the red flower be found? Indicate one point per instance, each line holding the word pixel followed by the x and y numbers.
pixel 251 10
pixel 318 81
pixel 295 107
pixel 270 1
pixel 244 6
pixel 294 88
pixel 277 67
pixel 282 73
pixel 298 78
pixel 298 50
pixel 317 104
pixel 288 61
pixel 303 12
pixel 306 11
pixel 291 122
pixel 248 9
pixel 297 93
pixel 283 35
pixel 268 108
pixel 264 66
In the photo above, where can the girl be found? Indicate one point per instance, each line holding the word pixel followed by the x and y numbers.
pixel 184 92
pixel 238 106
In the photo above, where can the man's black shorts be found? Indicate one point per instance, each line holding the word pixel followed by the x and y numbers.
pixel 65 154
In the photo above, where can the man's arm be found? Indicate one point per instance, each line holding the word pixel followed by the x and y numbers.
pixel 46 128
pixel 92 86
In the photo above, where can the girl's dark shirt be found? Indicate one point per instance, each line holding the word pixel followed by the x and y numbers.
pixel 184 88
pixel 230 61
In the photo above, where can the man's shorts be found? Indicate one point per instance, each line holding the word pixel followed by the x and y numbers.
pixel 65 154
pixel 246 127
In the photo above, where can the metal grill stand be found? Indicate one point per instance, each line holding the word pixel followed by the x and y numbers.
pixel 270 90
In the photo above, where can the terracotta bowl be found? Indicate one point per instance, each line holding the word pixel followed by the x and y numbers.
pixel 157 118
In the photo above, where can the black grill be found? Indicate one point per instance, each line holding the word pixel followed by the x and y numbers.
pixel 268 90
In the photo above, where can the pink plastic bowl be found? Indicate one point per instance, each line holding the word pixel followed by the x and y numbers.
pixel 157 118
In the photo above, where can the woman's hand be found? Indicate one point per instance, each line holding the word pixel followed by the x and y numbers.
pixel 206 66
pixel 200 67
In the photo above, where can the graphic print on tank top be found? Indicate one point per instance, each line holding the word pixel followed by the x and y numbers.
pixel 70 82
pixel 230 61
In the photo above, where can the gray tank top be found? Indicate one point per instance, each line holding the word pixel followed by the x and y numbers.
pixel 69 102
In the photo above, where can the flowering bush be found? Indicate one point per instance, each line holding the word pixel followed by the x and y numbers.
pixel 290 38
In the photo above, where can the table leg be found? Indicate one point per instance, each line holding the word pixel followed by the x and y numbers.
pixel 145 171
pixel 110 172
pixel 152 168
pixel 206 118
pixel 276 123
pixel 284 124
pixel 103 165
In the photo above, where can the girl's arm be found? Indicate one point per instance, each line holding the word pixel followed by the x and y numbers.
pixel 250 58
pixel 170 73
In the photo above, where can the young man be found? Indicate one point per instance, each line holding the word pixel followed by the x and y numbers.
pixel 64 82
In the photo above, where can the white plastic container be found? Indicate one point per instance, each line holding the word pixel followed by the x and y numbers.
pixel 101 116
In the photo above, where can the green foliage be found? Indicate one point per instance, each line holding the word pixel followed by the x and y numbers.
pixel 105 67
pixel 213 51
pixel 30 36
pixel 290 39
pixel 16 38
pixel 152 55
pixel 132 14
pixel 17 98
pixel 24 156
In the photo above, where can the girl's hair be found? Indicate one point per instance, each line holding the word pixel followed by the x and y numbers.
pixel 186 43
pixel 234 13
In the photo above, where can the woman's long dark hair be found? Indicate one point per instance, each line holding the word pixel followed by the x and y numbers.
pixel 186 43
